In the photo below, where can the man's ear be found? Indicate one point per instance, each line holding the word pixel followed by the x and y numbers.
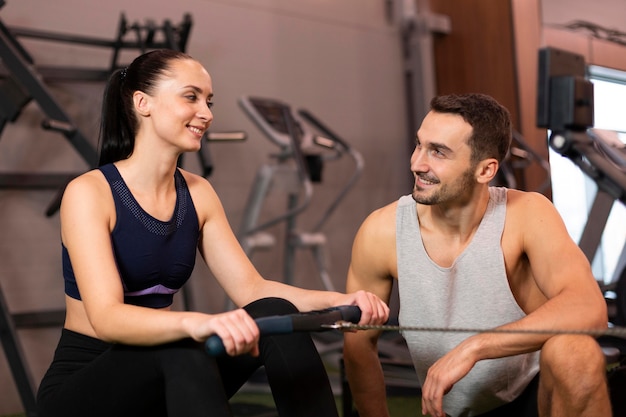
pixel 141 102
pixel 486 170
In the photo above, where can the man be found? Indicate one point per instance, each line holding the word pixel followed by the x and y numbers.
pixel 465 254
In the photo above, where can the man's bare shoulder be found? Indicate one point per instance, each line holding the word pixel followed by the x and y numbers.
pixel 514 194
pixel 373 252
pixel 527 201
pixel 532 214
pixel 381 219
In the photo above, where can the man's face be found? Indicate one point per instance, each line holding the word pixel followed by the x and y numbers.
pixel 441 162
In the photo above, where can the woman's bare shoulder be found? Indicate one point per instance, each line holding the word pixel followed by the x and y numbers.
pixel 91 184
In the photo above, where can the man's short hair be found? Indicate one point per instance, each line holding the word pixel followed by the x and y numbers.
pixel 490 121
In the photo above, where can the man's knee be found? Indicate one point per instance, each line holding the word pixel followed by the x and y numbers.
pixel 574 361
pixel 573 377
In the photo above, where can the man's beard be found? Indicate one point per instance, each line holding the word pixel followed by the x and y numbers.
pixel 460 189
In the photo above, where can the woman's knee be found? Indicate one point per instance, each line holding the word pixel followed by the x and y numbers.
pixel 271 306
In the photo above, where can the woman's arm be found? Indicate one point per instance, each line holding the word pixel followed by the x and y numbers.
pixel 87 218
pixel 240 279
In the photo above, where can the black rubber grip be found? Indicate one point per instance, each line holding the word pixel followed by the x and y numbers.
pixel 301 322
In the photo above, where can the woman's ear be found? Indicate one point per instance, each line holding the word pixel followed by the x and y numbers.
pixel 486 170
pixel 141 102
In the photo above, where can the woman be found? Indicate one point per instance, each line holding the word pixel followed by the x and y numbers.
pixel 130 230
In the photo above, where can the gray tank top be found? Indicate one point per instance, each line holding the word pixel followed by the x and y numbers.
pixel 473 293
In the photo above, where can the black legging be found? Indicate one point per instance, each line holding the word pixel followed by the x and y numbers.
pixel 92 378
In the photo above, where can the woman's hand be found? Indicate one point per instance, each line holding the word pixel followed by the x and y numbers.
pixel 238 331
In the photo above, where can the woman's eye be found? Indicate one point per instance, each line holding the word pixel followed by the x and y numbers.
pixel 209 104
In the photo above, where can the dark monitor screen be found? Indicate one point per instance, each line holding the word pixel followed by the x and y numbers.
pixel 564 95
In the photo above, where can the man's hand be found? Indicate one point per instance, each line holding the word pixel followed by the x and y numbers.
pixel 442 376
pixel 373 310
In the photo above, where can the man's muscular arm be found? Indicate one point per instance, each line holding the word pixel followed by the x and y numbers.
pixel 371 269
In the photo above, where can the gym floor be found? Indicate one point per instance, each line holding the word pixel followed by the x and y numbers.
pixel 261 405
pixel 255 400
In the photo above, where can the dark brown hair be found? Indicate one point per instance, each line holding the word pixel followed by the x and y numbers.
pixel 490 121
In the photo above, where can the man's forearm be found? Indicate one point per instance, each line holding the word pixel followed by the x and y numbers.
pixel 366 379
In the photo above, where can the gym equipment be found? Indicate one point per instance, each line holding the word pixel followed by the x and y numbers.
pixel 565 106
pixel 305 144
pixel 18 86
pixel 143 37
pixel 22 81
pixel 15 357
pixel 348 325
pixel 299 163
pixel 521 155
pixel 312 321
pixel 418 27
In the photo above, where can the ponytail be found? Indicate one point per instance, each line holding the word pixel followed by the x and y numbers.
pixel 117 135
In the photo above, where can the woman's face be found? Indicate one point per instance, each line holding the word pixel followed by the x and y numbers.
pixel 179 111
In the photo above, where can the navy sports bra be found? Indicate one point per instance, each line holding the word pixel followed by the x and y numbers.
pixel 154 258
